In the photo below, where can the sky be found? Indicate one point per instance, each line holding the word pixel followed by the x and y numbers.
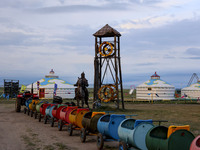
pixel 157 35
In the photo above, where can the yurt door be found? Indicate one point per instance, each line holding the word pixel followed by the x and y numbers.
pixel 41 93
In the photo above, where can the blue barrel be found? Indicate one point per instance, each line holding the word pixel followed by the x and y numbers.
pixel 50 110
pixel 27 102
pixel 108 125
pixel 47 110
pixel 133 132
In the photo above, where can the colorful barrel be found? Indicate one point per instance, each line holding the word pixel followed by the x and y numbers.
pixel 195 145
pixel 32 105
pixel 68 111
pixel 47 110
pixel 134 132
pixel 156 138
pixel 76 116
pixel 43 108
pixel 27 102
pixel 38 106
pixel 56 111
pixel 90 120
pixel 50 111
pixel 108 125
pixel 62 113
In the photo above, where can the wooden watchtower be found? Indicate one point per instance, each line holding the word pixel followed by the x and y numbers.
pixel 107 66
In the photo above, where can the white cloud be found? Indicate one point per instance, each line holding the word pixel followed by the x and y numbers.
pixel 155 36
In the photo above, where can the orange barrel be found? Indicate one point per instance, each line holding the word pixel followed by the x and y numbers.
pixel 76 116
pixel 32 105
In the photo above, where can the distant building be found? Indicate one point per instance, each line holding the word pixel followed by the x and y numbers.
pixel 192 91
pixel 155 89
pixel 45 87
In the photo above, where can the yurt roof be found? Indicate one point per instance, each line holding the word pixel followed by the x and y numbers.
pixel 50 80
pixel 49 83
pixel 155 81
pixel 193 87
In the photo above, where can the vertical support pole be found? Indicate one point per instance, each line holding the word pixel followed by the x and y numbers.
pixel 95 72
pixel 116 71
pixel 100 66
pixel 120 74
pixel 32 88
pixel 4 86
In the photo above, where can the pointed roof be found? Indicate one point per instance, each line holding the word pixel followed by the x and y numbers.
pixel 155 81
pixel 107 31
pixel 193 87
pixel 155 76
pixel 51 74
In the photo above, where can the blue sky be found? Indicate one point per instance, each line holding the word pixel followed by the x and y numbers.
pixel 157 35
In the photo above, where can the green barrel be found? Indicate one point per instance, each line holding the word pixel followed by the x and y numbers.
pixel 86 120
pixel 38 107
pixel 156 139
pixel 90 123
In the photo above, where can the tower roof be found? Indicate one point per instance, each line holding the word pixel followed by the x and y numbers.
pixel 107 31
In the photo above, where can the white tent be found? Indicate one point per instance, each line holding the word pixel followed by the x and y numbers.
pixel 192 91
pixel 45 87
pixel 155 89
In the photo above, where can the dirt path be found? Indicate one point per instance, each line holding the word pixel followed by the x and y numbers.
pixel 21 132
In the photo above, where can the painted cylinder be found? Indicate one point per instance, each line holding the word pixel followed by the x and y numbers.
pixel 27 102
pixel 195 145
pixel 50 111
pixel 156 138
pixel 134 132
pixel 32 105
pixel 47 110
pixel 90 120
pixel 56 109
pixel 108 125
pixel 43 108
pixel 38 106
pixel 62 113
pixel 76 116
pixel 69 110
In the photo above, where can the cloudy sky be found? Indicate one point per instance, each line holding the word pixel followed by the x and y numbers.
pixel 157 35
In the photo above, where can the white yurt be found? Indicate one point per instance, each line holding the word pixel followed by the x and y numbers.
pixel 192 91
pixel 155 89
pixel 46 87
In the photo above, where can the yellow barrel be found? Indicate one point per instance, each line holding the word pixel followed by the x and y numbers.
pixel 173 128
pixel 97 113
pixel 76 116
pixel 32 105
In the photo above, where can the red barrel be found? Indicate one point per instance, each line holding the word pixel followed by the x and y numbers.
pixel 195 145
pixel 43 108
pixel 69 110
pixel 56 111
pixel 62 113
